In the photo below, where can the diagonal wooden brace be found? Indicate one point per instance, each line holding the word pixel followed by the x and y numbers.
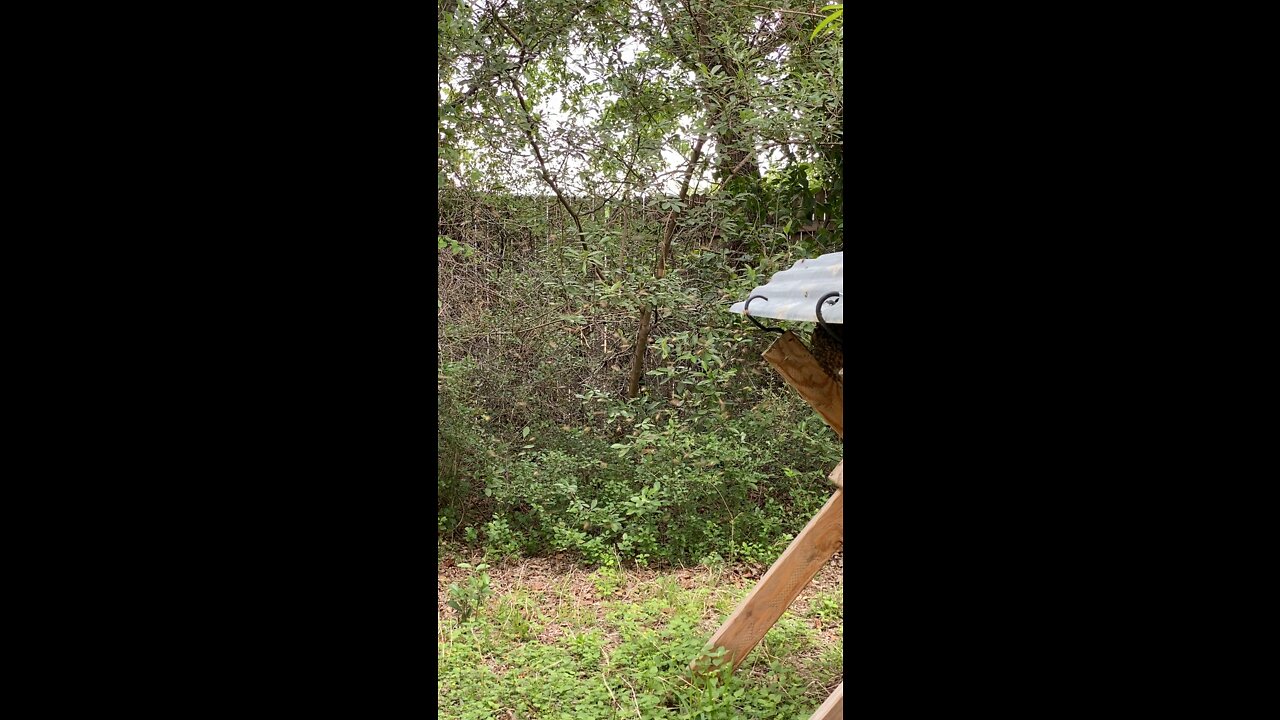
pixel 837 475
pixel 833 708
pixel 798 367
pixel 771 597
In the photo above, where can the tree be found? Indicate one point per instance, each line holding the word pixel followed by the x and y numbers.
pixel 589 101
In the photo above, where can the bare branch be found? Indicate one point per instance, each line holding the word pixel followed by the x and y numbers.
pixel 783 10
pixel 546 176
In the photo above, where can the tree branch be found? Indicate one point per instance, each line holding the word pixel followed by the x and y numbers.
pixel 546 176
pixel 783 10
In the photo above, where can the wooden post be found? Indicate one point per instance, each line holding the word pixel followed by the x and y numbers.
pixel 771 597
pixel 837 475
pixel 833 708
pixel 801 371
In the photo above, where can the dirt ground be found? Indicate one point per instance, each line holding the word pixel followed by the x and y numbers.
pixel 559 579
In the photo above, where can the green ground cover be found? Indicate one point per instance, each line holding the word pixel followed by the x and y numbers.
pixel 548 638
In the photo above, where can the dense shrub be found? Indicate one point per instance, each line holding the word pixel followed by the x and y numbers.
pixel 539 451
pixel 669 492
pixel 460 452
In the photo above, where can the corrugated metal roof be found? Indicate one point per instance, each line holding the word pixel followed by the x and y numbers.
pixel 793 293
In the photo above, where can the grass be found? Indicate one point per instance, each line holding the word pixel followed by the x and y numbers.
pixel 554 641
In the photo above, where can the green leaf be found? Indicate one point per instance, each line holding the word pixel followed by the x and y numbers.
pixel 826 21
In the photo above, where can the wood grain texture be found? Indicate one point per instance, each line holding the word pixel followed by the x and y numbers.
pixel 771 597
pixel 833 708
pixel 798 367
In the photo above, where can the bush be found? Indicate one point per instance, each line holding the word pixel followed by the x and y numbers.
pixel 538 452
pixel 669 493
pixel 460 452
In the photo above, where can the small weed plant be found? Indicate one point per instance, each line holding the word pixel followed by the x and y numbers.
pixel 828 606
pixel 469 597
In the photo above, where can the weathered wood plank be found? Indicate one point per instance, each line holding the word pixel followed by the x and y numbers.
pixel 771 597
pixel 833 708
pixel 801 371
pixel 837 475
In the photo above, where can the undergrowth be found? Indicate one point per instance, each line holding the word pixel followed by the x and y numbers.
pixel 539 449
pixel 625 655
pixel 665 492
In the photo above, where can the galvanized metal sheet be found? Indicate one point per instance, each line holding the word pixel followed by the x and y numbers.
pixel 793 293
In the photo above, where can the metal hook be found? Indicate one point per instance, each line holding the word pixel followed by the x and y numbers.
pixel 818 311
pixel 756 322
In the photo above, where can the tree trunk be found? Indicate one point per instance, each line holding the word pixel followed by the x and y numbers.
pixel 642 342
pixel 660 271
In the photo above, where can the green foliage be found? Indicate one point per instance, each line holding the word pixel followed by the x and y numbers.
pixel 836 13
pixel 740 74
pixel 630 660
pixel 511 618
pixel 716 461
pixel 789 636
pixel 670 493
pixel 469 597
pixel 717 455
pixel 828 606
pixel 538 449
pixel 500 540
pixel 606 581
pixel 455 247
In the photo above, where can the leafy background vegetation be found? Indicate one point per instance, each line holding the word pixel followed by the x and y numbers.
pixel 612 175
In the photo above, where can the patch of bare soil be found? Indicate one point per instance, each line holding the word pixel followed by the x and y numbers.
pixel 559 581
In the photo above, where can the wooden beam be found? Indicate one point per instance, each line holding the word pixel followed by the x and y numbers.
pixel 801 371
pixel 771 597
pixel 837 475
pixel 833 708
